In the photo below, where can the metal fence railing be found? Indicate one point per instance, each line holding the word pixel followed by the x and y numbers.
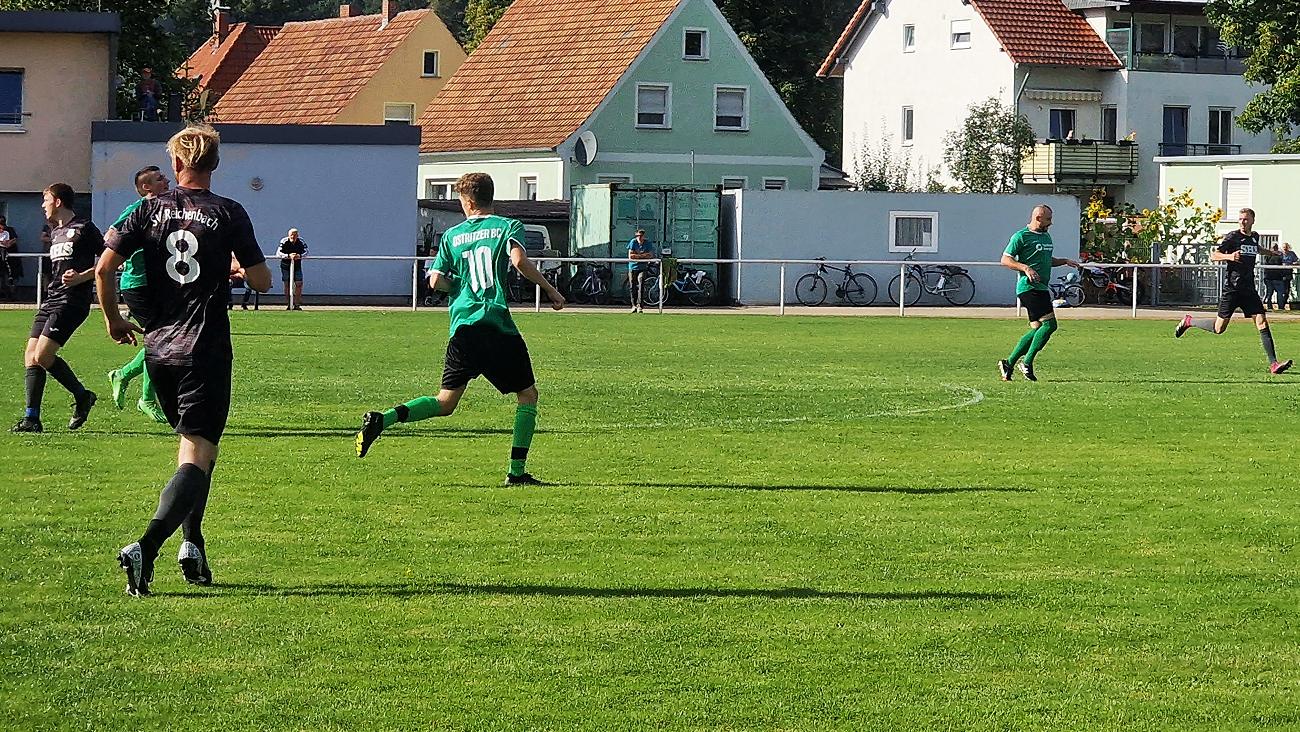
pixel 563 270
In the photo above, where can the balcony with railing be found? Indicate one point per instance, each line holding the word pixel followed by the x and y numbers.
pixel 1088 161
pixel 1179 149
pixel 1207 58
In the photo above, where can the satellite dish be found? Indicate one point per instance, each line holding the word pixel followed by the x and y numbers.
pixel 585 149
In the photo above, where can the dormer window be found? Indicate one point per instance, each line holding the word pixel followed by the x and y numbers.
pixel 695 44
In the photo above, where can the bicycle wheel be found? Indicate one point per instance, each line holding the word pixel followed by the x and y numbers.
pixel 703 294
pixel 578 291
pixel 860 289
pixel 810 289
pixel 1074 296
pixel 911 290
pixel 959 289
pixel 600 294
pixel 650 292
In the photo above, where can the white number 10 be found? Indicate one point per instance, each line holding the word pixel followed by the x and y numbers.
pixel 480 267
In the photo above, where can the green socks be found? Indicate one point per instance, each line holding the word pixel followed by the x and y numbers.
pixel 416 410
pixel 1022 347
pixel 134 367
pixel 525 425
pixel 1041 336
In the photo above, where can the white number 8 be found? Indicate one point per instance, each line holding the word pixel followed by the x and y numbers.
pixel 190 272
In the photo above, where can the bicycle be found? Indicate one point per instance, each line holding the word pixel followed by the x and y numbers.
pixel 1067 288
pixel 693 284
pixel 952 282
pixel 592 283
pixel 856 289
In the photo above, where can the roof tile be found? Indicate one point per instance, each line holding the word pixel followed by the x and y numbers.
pixel 218 63
pixel 540 73
pixel 313 69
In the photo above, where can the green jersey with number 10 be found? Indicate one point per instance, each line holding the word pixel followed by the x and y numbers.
pixel 475 257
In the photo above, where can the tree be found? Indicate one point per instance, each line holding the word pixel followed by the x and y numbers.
pixel 1271 32
pixel 480 16
pixel 877 168
pixel 984 154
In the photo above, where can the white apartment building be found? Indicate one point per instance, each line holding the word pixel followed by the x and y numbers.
pixel 1108 85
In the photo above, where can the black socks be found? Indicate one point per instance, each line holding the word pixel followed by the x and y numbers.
pixel 186 491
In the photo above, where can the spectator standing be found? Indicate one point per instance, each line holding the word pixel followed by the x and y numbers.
pixel 1289 258
pixel 640 252
pixel 292 249
pixel 1274 296
pixel 147 93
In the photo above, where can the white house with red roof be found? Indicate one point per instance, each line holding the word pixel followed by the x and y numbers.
pixel 1108 85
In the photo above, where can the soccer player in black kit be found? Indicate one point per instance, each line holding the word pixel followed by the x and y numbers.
pixel 1238 250
pixel 74 245
pixel 188 235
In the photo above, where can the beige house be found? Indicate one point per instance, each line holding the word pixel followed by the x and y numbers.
pixel 354 69
pixel 56 76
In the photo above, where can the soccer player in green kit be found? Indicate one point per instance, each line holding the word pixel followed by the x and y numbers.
pixel 472 264
pixel 1030 253
pixel 149 182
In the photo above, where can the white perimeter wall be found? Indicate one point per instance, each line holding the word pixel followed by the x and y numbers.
pixel 344 199
pixel 855 225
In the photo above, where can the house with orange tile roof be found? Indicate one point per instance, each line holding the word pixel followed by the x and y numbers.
pixel 1107 85
pixel 570 92
pixel 226 55
pixel 353 69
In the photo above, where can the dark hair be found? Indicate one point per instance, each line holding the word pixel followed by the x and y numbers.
pixel 63 192
pixel 478 187
pixel 141 173
pixel 1248 210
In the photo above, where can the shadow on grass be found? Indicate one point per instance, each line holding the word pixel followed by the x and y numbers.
pixel 348 589
pixel 1276 381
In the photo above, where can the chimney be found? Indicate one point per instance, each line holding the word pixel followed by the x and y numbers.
pixel 387 10
pixel 348 11
pixel 221 24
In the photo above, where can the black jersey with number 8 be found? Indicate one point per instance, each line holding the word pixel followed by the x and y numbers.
pixel 187 237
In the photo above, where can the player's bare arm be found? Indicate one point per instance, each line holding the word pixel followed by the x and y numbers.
pixel 529 270
pixel 257 277
pixel 439 281
pixel 119 328
pixel 1010 263
pixel 1058 262
pixel 1217 256
pixel 71 279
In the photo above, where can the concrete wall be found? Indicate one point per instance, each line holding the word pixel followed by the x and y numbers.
pixel 400 80
pixel 855 225
pixel 65 86
pixel 344 199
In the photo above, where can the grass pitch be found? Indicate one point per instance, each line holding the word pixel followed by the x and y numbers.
pixel 758 523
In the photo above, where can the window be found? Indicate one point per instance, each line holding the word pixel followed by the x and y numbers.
pixel 528 188
pixel 1220 129
pixel 439 190
pixel 1237 194
pixel 774 184
pixel 734 183
pixel 1109 123
pixel 908 125
pixel 1061 123
pixel 399 114
pixel 695 44
pixel 1174 141
pixel 11 97
pixel 654 105
pixel 613 179
pixel 913 231
pixel 430 63
pixel 730 108
pixel 1187 40
pixel 1151 38
pixel 909 38
pixel 961 34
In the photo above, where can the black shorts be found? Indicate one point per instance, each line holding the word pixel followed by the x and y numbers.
pixel 482 350
pixel 1246 300
pixel 196 399
pixel 1038 303
pixel 59 320
pixel 138 303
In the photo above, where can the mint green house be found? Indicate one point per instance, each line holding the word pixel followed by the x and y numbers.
pixel 571 92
